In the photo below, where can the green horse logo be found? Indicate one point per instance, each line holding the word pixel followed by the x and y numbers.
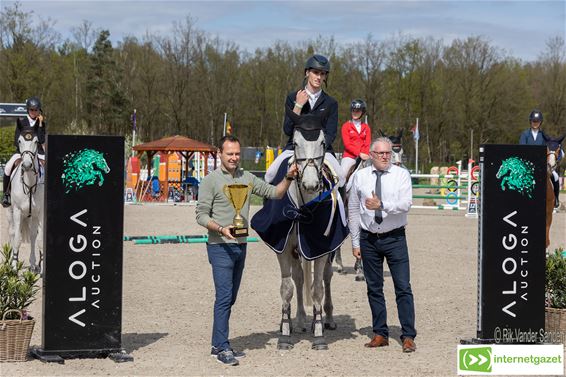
pixel 518 175
pixel 83 168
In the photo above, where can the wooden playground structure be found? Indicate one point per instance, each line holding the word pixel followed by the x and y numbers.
pixel 168 168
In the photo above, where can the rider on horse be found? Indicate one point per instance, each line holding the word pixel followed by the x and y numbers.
pixel 311 99
pixel 35 123
pixel 356 136
pixel 536 136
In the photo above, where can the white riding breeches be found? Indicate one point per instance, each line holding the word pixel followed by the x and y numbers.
pixel 347 163
pixel 10 164
pixel 328 159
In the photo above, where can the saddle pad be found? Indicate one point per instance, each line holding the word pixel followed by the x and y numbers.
pixel 274 222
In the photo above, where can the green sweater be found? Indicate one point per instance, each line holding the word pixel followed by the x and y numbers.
pixel 214 205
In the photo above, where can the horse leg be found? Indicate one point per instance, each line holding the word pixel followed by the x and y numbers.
pixel 17 239
pixel 299 279
pixel 338 258
pixel 329 323
pixel 286 291
pixel 359 269
pixel 34 267
pixel 319 342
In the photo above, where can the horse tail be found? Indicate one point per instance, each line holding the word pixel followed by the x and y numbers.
pixel 307 282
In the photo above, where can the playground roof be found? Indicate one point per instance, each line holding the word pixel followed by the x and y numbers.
pixel 174 144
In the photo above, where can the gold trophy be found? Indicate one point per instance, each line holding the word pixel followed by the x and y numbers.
pixel 237 194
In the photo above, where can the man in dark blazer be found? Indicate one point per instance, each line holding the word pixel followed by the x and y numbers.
pixel 311 100
pixel 534 135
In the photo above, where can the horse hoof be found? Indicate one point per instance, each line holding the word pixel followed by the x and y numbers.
pixel 284 343
pixel 340 270
pixel 330 326
pixel 319 345
pixel 360 278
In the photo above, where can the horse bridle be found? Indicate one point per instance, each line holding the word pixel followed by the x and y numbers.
pixel 556 154
pixel 310 162
pixel 33 188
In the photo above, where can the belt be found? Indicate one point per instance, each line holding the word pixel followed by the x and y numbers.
pixel 394 232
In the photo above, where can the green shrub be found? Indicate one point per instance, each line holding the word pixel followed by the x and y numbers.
pixel 555 282
pixel 17 285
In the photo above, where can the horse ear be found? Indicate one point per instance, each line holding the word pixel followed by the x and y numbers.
pixel 400 133
pixel 561 139
pixel 381 132
pixel 294 117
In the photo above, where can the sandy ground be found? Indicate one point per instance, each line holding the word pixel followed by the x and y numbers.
pixel 168 298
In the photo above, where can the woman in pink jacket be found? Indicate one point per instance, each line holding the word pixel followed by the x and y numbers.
pixel 356 136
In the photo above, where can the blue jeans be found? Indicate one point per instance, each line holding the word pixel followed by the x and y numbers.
pixel 227 260
pixel 394 249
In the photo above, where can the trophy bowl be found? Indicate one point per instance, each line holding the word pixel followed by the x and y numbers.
pixel 237 195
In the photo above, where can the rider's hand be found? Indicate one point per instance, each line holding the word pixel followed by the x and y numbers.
pixel 302 97
pixel 364 156
pixel 40 119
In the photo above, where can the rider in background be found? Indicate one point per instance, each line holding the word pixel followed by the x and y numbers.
pixel 311 99
pixel 356 136
pixel 536 136
pixel 34 122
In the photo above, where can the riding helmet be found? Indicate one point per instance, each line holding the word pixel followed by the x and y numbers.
pixel 318 62
pixel 358 104
pixel 33 103
pixel 536 115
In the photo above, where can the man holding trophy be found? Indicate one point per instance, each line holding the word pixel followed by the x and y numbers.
pixel 223 208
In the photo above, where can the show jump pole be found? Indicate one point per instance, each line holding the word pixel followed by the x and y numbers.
pixel 417 136
pixel 133 132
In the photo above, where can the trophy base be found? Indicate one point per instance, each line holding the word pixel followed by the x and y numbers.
pixel 239 232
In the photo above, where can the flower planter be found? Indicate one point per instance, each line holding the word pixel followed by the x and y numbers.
pixel 15 335
pixel 555 320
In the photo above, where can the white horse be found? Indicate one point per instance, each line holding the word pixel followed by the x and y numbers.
pixel 309 151
pixel 25 215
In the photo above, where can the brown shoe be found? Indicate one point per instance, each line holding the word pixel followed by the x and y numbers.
pixel 409 345
pixel 377 341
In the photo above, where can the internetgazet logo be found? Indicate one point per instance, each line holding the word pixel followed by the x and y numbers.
pixel 521 359
pixel 475 359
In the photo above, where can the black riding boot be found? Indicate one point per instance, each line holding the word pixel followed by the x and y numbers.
pixel 556 186
pixel 6 198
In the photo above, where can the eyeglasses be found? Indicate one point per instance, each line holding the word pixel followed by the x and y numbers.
pixel 381 153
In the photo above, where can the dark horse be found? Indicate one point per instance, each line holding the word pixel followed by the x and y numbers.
pixel 553 155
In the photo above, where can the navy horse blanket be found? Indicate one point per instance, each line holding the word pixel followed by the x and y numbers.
pixel 321 223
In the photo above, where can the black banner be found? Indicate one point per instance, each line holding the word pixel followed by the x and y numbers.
pixel 84 210
pixel 13 110
pixel 512 243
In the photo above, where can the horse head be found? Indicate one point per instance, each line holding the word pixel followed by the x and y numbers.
pixel 397 147
pixel 553 152
pixel 309 149
pixel 28 144
pixel 100 163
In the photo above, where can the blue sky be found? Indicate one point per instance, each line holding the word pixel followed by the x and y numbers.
pixel 520 27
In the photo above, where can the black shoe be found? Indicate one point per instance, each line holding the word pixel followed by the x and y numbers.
pixel 6 200
pixel 556 203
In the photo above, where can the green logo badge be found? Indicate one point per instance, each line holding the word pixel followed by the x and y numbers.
pixel 83 168
pixel 518 175
pixel 475 359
